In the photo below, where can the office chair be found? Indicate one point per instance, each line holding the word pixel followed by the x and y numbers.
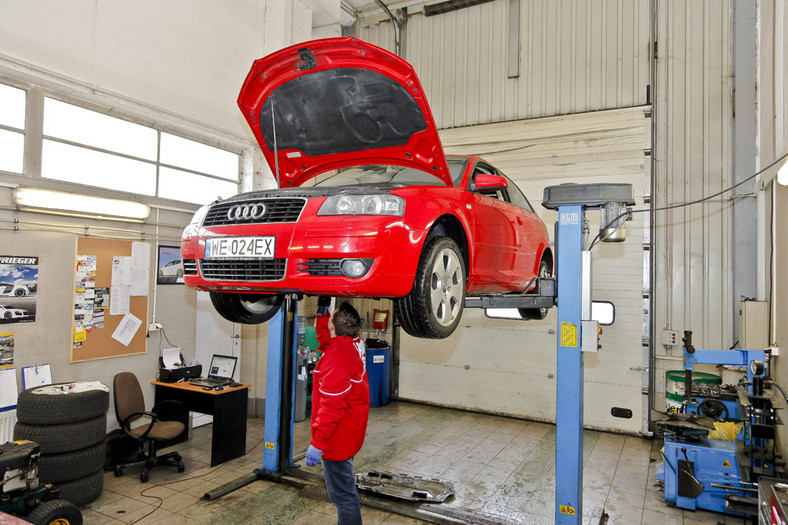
pixel 130 408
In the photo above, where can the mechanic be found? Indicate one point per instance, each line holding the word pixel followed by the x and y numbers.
pixel 340 406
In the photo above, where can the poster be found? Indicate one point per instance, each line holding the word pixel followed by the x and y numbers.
pixel 18 288
pixel 170 265
pixel 6 350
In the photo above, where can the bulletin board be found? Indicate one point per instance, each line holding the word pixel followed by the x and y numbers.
pixel 99 343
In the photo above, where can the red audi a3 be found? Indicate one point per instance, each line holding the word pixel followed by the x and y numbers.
pixel 368 205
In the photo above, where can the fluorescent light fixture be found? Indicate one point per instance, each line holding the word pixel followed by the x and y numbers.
pixel 82 205
pixel 782 175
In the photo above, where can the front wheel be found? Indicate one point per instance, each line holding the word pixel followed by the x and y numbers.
pixel 433 308
pixel 246 308
pixel 537 313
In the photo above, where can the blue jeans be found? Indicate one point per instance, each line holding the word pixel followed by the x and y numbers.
pixel 341 485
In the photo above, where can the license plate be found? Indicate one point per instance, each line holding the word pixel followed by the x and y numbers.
pixel 240 247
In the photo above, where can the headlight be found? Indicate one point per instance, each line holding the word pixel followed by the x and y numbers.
pixel 378 204
pixel 199 215
pixel 194 224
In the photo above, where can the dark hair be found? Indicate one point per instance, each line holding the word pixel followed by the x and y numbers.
pixel 346 320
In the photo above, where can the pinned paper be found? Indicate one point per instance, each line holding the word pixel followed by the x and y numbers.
pixel 80 334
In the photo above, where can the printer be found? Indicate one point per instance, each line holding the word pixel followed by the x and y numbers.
pixel 175 370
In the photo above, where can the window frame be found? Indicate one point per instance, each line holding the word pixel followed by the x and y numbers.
pixel 38 89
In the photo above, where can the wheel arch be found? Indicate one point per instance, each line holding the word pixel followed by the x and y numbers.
pixel 547 255
pixel 450 226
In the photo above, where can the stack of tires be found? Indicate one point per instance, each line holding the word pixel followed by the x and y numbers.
pixel 69 422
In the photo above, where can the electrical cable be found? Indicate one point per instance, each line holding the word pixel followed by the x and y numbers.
pixel 685 204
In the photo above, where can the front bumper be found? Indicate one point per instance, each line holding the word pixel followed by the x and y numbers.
pixel 307 256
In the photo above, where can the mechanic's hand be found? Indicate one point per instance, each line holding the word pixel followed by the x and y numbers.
pixel 323 304
pixel 313 456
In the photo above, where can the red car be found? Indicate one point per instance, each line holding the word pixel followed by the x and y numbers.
pixel 368 204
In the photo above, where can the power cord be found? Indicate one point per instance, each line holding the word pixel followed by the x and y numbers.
pixel 685 204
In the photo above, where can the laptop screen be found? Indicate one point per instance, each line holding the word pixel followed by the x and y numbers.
pixel 222 367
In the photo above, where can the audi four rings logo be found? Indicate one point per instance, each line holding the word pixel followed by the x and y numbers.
pixel 246 211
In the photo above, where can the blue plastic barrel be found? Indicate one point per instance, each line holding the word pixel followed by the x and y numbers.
pixel 378 373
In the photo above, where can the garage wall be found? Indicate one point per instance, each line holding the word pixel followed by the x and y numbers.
pixel 178 63
pixel 693 159
pixel 773 140
pixel 574 56
pixel 509 367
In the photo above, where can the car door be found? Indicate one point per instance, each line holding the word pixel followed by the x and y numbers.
pixel 495 235
pixel 528 230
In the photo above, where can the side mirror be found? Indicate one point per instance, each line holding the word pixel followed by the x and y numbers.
pixel 486 182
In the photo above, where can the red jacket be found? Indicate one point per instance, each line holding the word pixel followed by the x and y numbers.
pixel 340 395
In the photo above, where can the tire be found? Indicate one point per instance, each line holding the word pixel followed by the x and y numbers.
pixel 20 293
pixel 36 406
pixel 537 313
pixel 55 512
pixel 58 439
pixel 57 468
pixel 8 315
pixel 82 491
pixel 246 308
pixel 433 309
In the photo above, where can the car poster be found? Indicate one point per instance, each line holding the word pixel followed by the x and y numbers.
pixel 18 288
pixel 170 265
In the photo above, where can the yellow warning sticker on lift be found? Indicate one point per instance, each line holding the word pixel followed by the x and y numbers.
pixel 269 445
pixel 566 509
pixel 726 463
pixel 568 334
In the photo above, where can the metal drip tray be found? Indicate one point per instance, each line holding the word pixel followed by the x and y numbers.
pixel 412 488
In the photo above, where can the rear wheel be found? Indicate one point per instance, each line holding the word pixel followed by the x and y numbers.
pixel 433 308
pixel 537 313
pixel 246 308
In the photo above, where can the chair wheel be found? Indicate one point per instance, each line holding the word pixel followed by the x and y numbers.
pixel 181 467
pixel 118 472
pixel 177 457
pixel 144 477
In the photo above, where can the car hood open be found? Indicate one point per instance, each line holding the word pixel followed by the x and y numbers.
pixel 336 102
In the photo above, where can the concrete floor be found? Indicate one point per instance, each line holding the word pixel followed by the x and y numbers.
pixel 499 466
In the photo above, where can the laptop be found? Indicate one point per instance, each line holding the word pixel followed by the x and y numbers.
pixel 220 372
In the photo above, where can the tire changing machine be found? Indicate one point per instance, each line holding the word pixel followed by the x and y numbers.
pixel 577 333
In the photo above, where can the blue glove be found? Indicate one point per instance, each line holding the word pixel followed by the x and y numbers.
pixel 323 304
pixel 313 456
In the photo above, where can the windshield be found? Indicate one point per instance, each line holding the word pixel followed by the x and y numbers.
pixel 374 174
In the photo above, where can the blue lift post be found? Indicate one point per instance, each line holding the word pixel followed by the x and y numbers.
pixel 569 371
pixel 574 311
pixel 280 389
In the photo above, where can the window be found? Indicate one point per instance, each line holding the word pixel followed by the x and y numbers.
pixel 516 197
pixel 84 146
pixel 12 125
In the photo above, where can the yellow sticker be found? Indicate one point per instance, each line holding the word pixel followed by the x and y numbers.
pixel 566 509
pixel 726 463
pixel 269 446
pixel 568 334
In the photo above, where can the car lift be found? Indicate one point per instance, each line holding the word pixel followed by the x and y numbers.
pixel 577 333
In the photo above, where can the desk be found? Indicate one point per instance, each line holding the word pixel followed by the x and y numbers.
pixel 228 408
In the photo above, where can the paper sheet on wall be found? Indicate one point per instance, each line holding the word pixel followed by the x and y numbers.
pixel 139 281
pixel 126 329
pixel 140 268
pixel 36 376
pixel 119 300
pixel 121 271
pixel 8 393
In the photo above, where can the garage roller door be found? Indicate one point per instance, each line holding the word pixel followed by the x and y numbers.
pixel 509 367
